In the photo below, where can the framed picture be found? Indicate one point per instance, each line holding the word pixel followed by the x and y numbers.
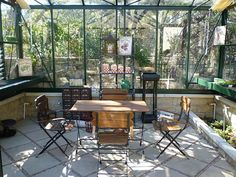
pixel 219 35
pixel 125 46
pixel 25 67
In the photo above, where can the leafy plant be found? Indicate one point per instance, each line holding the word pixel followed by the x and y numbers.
pixel 218 128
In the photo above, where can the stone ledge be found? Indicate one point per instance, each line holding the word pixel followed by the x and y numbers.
pixel 223 146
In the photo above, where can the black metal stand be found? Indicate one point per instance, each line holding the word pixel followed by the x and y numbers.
pixel 154 77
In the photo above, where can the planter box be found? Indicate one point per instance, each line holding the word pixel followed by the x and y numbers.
pixel 209 84
pixel 223 146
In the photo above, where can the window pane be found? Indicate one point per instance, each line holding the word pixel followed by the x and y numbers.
pixel 229 72
pixel 8 23
pixel 37 41
pixel 69 41
pixel 172 42
pixel 203 55
pixel 10 61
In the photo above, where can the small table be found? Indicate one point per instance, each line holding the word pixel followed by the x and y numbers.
pixel 109 105
pixel 112 106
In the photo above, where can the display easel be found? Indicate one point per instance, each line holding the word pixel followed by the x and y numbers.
pixel 150 77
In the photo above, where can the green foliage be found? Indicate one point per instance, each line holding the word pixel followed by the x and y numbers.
pixel 218 128
pixel 141 54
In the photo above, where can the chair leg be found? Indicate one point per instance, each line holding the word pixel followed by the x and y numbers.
pixel 99 155
pixel 78 133
pixel 50 142
pixel 172 141
pixel 141 140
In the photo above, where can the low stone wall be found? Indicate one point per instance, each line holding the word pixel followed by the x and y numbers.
pixel 201 105
pixel 14 107
pixel 225 109
pixel 214 139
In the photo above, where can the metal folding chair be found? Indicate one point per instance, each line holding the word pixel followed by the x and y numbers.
pixel 168 125
pixel 112 132
pixel 47 120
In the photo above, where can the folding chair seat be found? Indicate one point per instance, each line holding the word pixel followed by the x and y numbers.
pixel 49 123
pixel 112 132
pixel 171 128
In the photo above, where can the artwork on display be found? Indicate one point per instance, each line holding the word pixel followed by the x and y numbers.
pixel 25 67
pixel 125 46
pixel 219 35
pixel 110 45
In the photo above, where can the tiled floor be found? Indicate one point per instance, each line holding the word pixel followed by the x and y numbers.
pixel 19 157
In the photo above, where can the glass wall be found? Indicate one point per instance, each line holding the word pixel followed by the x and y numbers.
pixel 37 41
pixel 229 71
pixel 9 49
pixel 178 44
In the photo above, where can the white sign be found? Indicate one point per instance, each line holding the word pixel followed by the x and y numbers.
pixel 125 46
pixel 219 35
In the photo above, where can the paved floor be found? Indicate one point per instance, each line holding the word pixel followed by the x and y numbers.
pixel 19 157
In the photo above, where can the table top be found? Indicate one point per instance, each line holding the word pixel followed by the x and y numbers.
pixel 109 105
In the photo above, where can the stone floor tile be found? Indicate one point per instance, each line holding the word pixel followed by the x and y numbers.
pixel 12 171
pixel 38 135
pixel 201 153
pixel 163 171
pixel 135 145
pixel 216 172
pixel 187 166
pixel 139 166
pixel 26 126
pixel 59 141
pixel 151 152
pixel 204 143
pixel 190 135
pixel 85 165
pixel 152 136
pixel 14 141
pixel 58 171
pixel 222 163
pixel 35 164
pixel 23 151
pixel 116 169
pixel 5 159
pixel 70 151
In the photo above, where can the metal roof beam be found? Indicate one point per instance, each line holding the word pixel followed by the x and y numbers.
pixel 121 7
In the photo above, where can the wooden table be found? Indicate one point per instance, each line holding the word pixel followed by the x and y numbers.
pixel 109 105
pixel 113 106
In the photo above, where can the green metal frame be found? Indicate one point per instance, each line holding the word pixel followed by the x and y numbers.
pixel 123 8
pixel 1 42
pixel 222 47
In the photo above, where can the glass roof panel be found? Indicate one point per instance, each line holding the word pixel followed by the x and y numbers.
pixel 37 2
pixel 66 2
pixel 121 2
pixel 176 2
pixel 142 2
pixel 97 2
pixel 202 2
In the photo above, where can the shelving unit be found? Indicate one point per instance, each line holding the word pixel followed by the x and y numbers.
pixel 116 68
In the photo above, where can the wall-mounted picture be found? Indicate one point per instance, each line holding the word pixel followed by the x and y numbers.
pixel 25 67
pixel 125 46
pixel 219 35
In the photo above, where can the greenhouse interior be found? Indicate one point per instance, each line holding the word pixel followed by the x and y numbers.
pixel 118 88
